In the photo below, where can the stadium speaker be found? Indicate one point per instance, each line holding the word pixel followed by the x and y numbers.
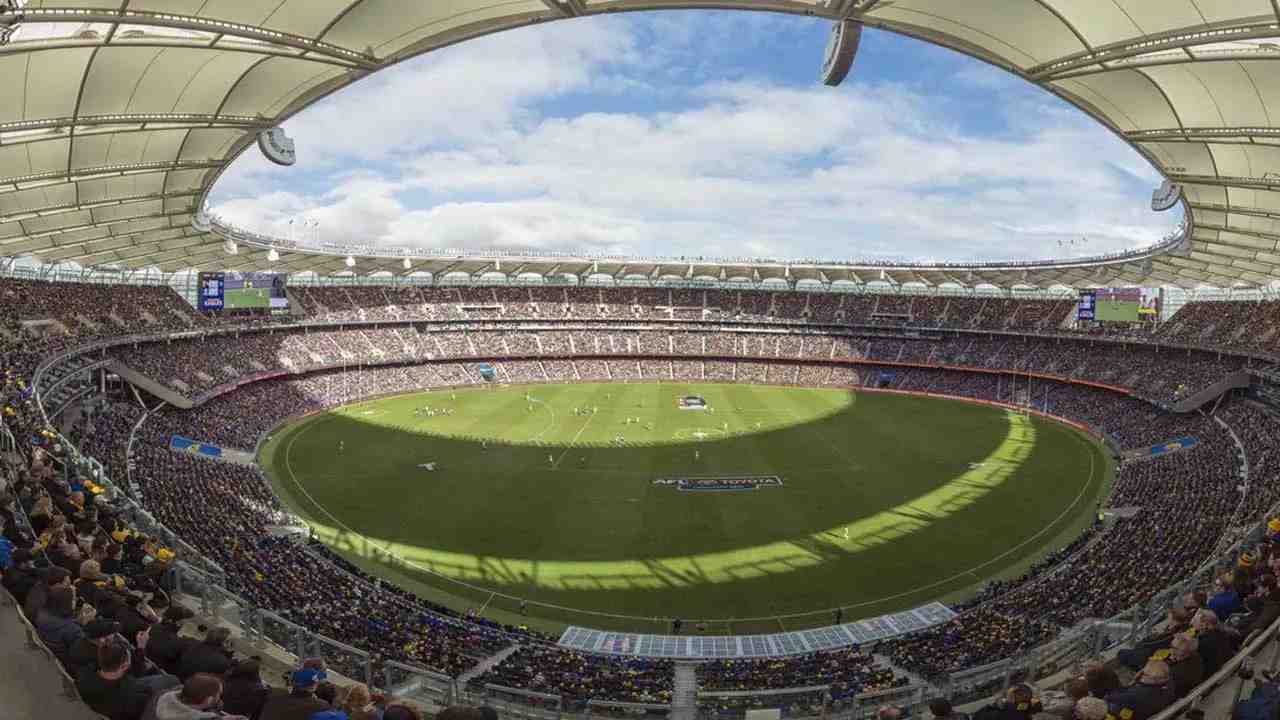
pixel 407 265
pixel 1166 196
pixel 201 222
pixel 277 147
pixel 230 246
pixel 841 50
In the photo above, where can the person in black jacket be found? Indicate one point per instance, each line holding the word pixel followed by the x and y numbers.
pixel 208 656
pixel 1216 646
pixel 166 647
pixel 300 702
pixel 1150 693
pixel 21 576
pixel 84 652
pixel 243 692
pixel 1186 667
pixel 58 624
pixel 1019 703
pixel 117 688
pixel 52 577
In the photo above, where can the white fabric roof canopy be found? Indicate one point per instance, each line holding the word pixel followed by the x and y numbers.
pixel 118 115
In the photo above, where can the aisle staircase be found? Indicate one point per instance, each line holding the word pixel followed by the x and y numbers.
pixel 484 665
pixel 684 695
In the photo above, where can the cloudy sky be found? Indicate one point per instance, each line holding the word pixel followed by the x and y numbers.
pixel 702 133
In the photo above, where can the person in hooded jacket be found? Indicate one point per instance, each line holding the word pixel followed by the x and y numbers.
pixel 199 698
pixel 243 691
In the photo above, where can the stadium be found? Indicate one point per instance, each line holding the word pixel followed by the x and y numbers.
pixel 283 477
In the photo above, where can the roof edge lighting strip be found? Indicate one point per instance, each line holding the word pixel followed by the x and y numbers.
pixel 186 22
pixel 1168 41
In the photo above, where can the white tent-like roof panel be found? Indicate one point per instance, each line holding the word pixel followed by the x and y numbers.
pixel 119 116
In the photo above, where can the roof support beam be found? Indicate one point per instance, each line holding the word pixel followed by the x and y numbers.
pixel 567 8
pixel 1270 181
pixel 1085 63
pixel 1239 231
pixel 1236 210
pixel 154 121
pixel 1207 135
pixel 213 30
pixel 58 177
pixel 73 207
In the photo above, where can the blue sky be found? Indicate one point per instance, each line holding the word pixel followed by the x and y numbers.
pixel 702 133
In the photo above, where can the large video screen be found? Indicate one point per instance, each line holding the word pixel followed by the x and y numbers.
pixel 1086 308
pixel 210 290
pixel 248 291
pixel 1127 304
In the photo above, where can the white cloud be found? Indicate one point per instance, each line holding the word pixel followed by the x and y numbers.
pixel 456 154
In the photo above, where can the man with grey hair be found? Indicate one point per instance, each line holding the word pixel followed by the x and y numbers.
pixel 1091 708
pixel 1216 646
pixel 1186 667
pixel 1150 693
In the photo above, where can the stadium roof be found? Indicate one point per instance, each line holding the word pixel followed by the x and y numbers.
pixel 119 115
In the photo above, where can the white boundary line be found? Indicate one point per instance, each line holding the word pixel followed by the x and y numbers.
pixel 556 464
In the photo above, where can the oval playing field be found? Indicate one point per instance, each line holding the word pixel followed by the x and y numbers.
pixel 756 507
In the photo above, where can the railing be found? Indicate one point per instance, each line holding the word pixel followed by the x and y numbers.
pixel 795 702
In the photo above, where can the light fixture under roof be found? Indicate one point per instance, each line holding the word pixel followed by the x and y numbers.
pixel 272 255
pixel 407 264
pixel 351 262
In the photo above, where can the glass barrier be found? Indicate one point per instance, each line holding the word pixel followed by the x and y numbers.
pixel 522 703
pixel 400 679
pixel 615 710
pixel 792 702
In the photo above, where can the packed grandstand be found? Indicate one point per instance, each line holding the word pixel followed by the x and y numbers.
pixel 342 343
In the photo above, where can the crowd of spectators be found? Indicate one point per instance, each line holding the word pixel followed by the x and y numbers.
pixel 346 303
pixel 1181 505
pixel 849 672
pixel 195 366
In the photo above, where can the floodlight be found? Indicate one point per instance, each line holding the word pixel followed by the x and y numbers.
pixel 277 147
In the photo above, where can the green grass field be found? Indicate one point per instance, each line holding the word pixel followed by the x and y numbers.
pixel 887 502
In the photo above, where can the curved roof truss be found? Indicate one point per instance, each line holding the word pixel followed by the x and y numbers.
pixel 121 114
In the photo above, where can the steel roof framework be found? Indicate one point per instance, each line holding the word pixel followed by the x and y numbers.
pixel 122 113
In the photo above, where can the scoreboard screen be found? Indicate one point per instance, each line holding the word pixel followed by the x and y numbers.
pixel 212 290
pixel 1086 310
pixel 242 291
